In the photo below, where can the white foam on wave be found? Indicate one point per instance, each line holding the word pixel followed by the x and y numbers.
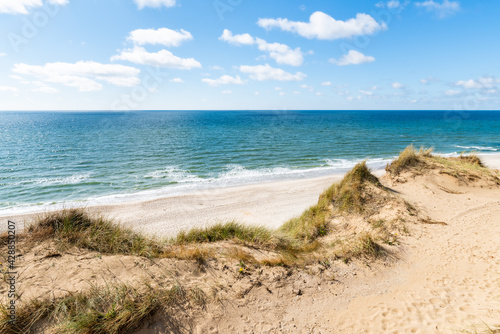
pixel 479 148
pixel 173 174
pixel 72 179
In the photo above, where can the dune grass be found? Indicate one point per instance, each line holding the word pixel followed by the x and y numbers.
pixel 363 246
pixel 75 227
pixel 465 168
pixel 225 231
pixel 343 197
pixel 409 157
pixel 110 310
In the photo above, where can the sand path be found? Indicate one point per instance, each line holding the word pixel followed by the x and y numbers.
pixel 449 280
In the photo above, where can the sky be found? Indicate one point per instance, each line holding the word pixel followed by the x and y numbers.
pixel 249 55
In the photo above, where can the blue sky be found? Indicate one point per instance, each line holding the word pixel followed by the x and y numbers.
pixel 241 54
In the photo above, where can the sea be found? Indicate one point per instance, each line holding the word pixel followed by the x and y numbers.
pixel 49 159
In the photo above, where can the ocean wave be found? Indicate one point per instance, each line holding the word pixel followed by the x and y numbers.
pixel 72 179
pixel 173 174
pixel 479 148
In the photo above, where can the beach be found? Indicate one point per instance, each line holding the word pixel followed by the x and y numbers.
pixel 267 204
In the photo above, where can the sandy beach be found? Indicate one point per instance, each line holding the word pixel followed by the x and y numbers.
pixel 266 204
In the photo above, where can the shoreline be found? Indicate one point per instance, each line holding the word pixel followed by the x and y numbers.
pixel 268 204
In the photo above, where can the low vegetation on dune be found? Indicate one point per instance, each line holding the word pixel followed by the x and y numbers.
pixel 465 168
pixel 77 228
pixel 111 309
pixel 347 196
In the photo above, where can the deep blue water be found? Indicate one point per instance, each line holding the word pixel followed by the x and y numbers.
pixel 113 156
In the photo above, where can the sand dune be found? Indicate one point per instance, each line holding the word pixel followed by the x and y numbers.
pixel 443 277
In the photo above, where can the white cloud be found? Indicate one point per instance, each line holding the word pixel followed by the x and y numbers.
pixel 281 53
pixel 397 85
pixel 23 6
pixel 177 80
pixel 295 92
pixel 323 26
pixel 227 91
pixel 326 83
pixel 367 93
pixel 243 39
pixel 452 92
pixel 441 9
pixel 163 58
pixel 2 54
pixel 319 94
pixel 163 36
pixel 84 75
pixel 309 88
pixel 266 72
pixel 217 68
pixel 8 89
pixel 484 83
pixel 353 57
pixel 154 3
pixel 224 80
pixel 392 4
pixel 42 87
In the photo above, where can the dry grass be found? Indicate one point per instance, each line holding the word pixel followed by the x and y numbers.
pixel 77 228
pixel 347 196
pixel 465 168
pixel 107 310
pixel 227 231
pixel 408 158
pixel 364 246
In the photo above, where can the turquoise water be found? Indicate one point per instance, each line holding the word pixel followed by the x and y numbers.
pixel 108 157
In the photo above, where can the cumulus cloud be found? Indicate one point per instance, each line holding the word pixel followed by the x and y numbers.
pixel 154 3
pixel 392 4
pixel 84 75
pixel 2 54
pixel 243 39
pixel 326 83
pixel 281 53
pixel 23 6
pixel 397 85
pixel 177 80
pixel 266 72
pixel 163 36
pixel 227 91
pixel 481 83
pixel 452 92
pixel 162 58
pixel 323 26
pixel 224 80
pixel 443 9
pixel 428 80
pixel 353 57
